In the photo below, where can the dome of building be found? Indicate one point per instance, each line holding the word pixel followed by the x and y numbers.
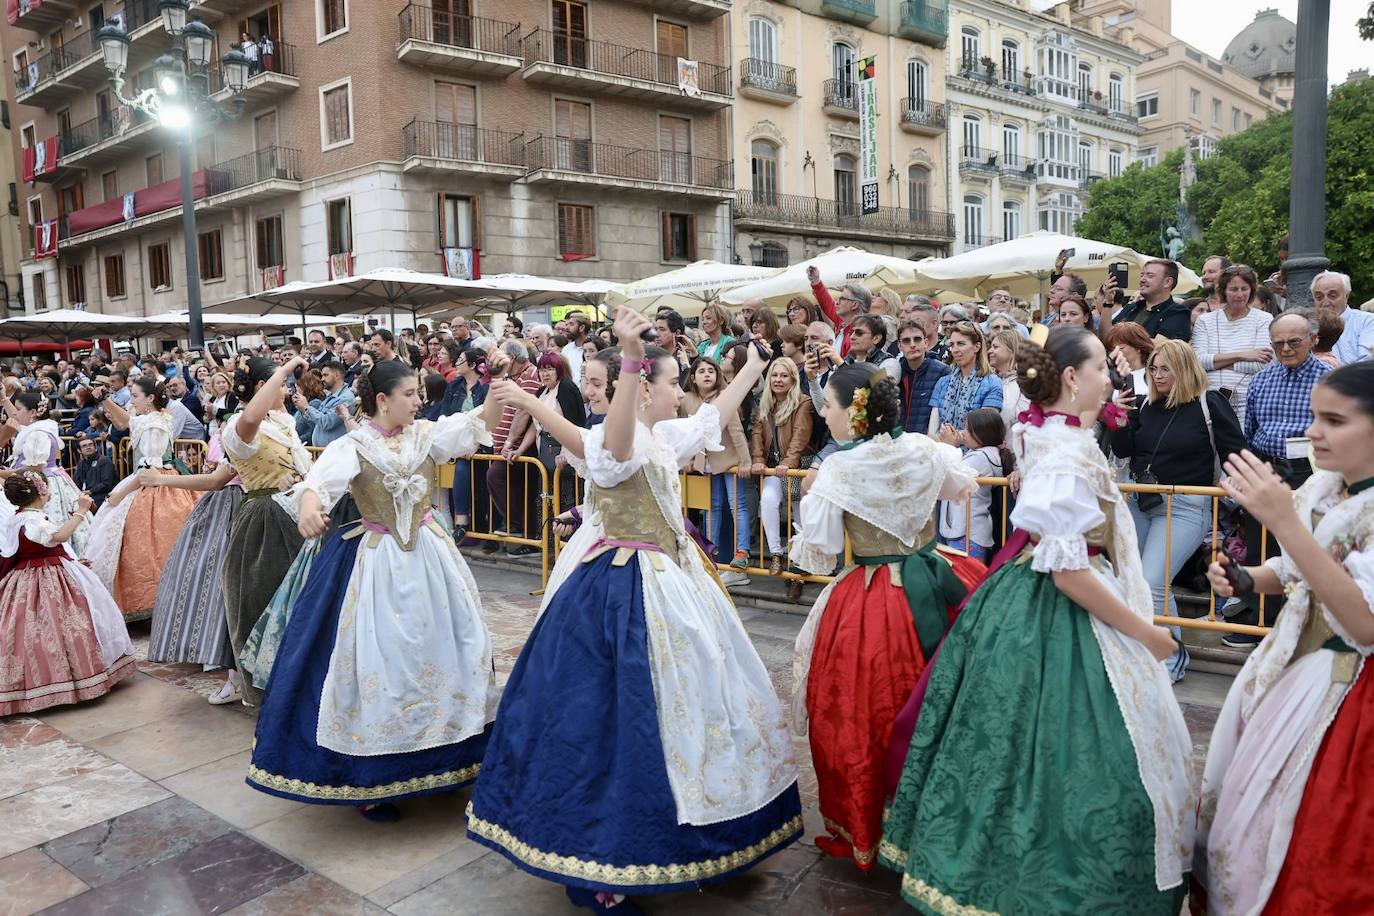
pixel 1265 47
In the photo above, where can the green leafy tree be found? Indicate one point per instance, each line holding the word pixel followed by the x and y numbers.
pixel 1241 197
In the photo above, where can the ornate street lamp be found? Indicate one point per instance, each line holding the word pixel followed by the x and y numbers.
pixel 179 99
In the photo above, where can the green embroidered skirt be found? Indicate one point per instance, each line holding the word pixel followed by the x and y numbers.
pixel 1021 792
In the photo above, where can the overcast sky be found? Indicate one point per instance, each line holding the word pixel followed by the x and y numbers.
pixel 1211 25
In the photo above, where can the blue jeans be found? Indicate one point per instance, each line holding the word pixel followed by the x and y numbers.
pixel 1191 522
pixel 462 489
pixel 734 490
pixel 977 551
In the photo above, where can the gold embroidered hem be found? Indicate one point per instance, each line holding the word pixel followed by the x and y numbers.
pixel 631 875
pixel 892 855
pixel 864 857
pixel 942 903
pixel 114 673
pixel 302 789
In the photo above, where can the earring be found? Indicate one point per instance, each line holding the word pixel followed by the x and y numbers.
pixel 646 403
pixel 1073 392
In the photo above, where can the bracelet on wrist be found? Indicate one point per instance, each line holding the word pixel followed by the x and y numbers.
pixel 633 366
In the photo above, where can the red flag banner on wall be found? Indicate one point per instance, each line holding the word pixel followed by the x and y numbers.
pixel 45 239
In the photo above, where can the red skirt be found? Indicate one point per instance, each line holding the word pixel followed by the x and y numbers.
pixel 1331 854
pixel 864 665
pixel 150 532
pixel 55 656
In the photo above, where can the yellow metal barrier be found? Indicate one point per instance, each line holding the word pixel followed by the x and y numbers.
pixel 540 536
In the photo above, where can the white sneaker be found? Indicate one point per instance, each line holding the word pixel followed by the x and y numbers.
pixel 229 692
pixel 730 579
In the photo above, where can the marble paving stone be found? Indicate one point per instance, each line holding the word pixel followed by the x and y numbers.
pixel 145 836
pixel 208 879
pixel 819 896
pixel 174 744
pixel 137 701
pixel 337 842
pixel 309 895
pixel 767 885
pixel 488 886
pixel 427 874
pixel 30 881
pixel 59 808
pixel 218 787
pixel 33 754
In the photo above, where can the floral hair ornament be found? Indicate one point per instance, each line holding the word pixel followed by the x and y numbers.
pixel 858 413
pixel 39 483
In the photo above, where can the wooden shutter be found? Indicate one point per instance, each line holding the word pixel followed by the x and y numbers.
pixel 667 219
pixel 572 120
pixel 691 238
pixel 672 39
pixel 274 23
pixel 455 103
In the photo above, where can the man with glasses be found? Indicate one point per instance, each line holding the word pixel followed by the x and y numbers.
pixel 919 375
pixel 854 300
pixel 1278 410
pixel 1331 292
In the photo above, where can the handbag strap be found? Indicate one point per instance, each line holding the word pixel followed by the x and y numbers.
pixel 1211 437
pixel 1150 465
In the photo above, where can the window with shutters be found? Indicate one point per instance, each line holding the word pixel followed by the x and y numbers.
pixel 331 18
pixel 160 266
pixel 844 71
pixel 1011 145
pixel 269 242
pixel 1115 162
pixel 973 220
pixel 973 135
pixel 846 185
pixel 970 47
pixel 70 198
pixel 114 276
pixel 763 169
pixel 40 292
pixel 210 247
pixel 152 167
pixel 918 189
pixel 339 219
pixel 455 114
pixel 76 284
pixel 459 222
pixel 336 114
pixel 917 84
pixel 570 33
pixel 679 237
pixel 1116 92
pixel 572 127
pixel 1011 60
pixel 763 40
pixel 576 230
pixel 670 40
pixel 35 217
pixel 1011 220
pixel 675 150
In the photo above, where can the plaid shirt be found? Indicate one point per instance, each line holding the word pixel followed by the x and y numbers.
pixel 1278 405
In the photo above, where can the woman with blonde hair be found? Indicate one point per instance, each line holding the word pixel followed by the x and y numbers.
pixel 1175 438
pixel 970 386
pixel 782 431
pixel 1002 360
pixel 715 326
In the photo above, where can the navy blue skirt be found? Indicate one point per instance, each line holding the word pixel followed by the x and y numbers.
pixel 286 759
pixel 574 786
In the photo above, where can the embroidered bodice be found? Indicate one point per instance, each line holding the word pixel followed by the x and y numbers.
pixel 868 540
pixel 629 512
pixel 377 505
pixel 150 437
pixel 275 452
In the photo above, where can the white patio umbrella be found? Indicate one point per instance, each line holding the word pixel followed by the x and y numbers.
pixel 1022 266
pixel 66 325
pixel 688 289
pixel 510 293
pixel 838 267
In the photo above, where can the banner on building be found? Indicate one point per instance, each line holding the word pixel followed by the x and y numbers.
pixel 272 277
pixel 45 239
pixel 463 263
pixel 129 207
pixel 688 77
pixel 40 160
pixel 341 265
pixel 868 135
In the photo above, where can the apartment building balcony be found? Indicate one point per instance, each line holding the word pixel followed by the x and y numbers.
pixel 1087 179
pixel 463 45
pixel 860 12
pixel 259 176
pixel 985 77
pixel 439 147
pixel 215 9
pixel 77 65
pixel 1017 170
pixel 42 15
pixel 841 98
pixel 767 81
pixel 977 162
pixel 920 116
pixel 581 64
pixel 796 213
pixel 275 78
pixel 696 9
pixel 927 23
pixel 559 160
pixel 108 137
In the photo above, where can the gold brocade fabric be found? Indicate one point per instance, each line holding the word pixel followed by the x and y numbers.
pixel 1103 536
pixel 629 512
pixel 376 505
pixel 363 794
pixel 266 467
pixel 869 540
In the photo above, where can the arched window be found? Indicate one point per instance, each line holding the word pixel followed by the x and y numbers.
pixel 1116 93
pixel 846 185
pixel 970 47
pixel 1085 81
pixel 917 84
pixel 1114 163
pixel 1011 220
pixel 973 134
pixel 1011 145
pixel 763 40
pixel 973 220
pixel 1011 60
pixel 918 189
pixel 1085 158
pixel 842 58
pixel 763 168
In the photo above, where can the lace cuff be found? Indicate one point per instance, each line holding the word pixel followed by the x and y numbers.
pixel 1060 553
pixel 812 558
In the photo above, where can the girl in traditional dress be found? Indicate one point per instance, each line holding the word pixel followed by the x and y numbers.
pixel 1287 821
pixel 640 747
pixel 136 529
pixel 38 445
pixel 1050 770
pixel 873 629
pixel 262 445
pixel 384 685
pixel 189 622
pixel 64 638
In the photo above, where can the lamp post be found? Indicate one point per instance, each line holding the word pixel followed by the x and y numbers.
pixel 1307 201
pixel 179 98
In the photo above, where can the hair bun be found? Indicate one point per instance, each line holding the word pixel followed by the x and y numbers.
pixel 1037 373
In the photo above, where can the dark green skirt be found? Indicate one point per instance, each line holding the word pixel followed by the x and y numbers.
pixel 1021 793
pixel 263 541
